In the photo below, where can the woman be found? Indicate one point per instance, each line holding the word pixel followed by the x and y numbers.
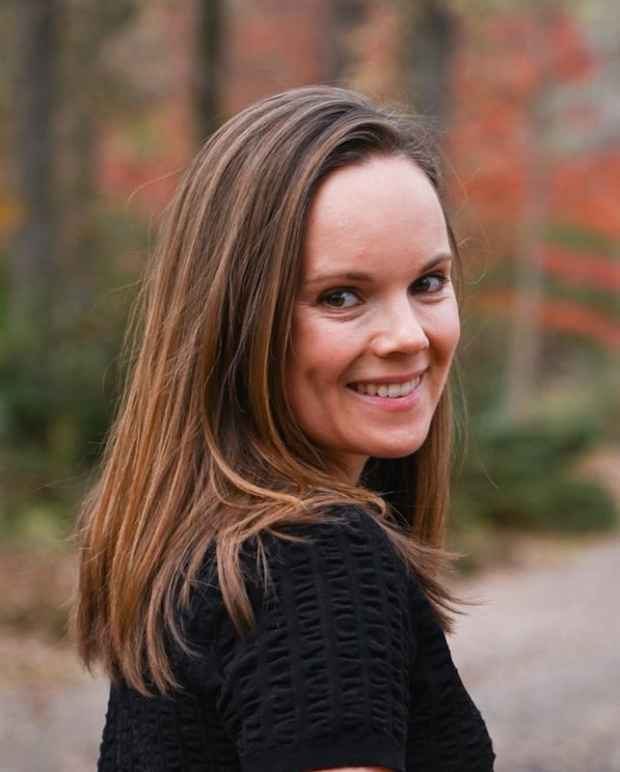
pixel 259 559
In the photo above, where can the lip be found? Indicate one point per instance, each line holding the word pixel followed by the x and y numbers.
pixel 389 378
pixel 390 404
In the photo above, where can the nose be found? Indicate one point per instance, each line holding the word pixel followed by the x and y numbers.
pixel 399 330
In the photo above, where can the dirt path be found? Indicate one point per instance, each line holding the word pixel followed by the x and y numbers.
pixel 541 659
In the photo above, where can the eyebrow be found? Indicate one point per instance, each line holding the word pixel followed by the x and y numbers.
pixel 361 276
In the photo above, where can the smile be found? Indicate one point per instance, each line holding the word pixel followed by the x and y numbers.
pixel 388 390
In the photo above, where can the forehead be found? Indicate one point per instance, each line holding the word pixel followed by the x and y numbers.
pixel 369 213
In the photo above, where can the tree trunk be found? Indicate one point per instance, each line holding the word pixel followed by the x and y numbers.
pixel 344 16
pixel 33 259
pixel 430 32
pixel 84 31
pixel 527 331
pixel 209 70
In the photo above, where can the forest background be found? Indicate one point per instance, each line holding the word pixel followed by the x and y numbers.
pixel 103 104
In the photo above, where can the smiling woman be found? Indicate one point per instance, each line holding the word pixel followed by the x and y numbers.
pixel 260 555
pixel 376 323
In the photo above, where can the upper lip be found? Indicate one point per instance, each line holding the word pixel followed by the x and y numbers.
pixel 391 378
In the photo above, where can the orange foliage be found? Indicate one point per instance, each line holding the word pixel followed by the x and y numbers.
pixel 143 172
pixel 147 180
pixel 505 70
pixel 586 192
pixel 561 315
pixel 589 270
pixel 503 67
pixel 272 46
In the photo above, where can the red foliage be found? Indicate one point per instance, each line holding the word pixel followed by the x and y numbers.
pixel 504 67
pixel 561 315
pixel 147 180
pixel 583 269
pixel 586 192
pixel 273 46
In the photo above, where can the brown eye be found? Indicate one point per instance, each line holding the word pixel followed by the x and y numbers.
pixel 433 282
pixel 340 299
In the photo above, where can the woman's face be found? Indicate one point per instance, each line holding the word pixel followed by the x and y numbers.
pixel 376 320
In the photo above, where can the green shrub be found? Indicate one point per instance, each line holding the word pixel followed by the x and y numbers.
pixel 521 476
pixel 58 386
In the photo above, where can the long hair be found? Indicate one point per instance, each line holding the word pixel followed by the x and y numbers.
pixel 205 449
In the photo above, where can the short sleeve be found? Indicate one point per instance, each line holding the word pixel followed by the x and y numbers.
pixel 323 680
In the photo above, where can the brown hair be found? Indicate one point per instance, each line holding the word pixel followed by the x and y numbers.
pixel 205 449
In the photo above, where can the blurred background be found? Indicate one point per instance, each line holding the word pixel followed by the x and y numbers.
pixel 103 104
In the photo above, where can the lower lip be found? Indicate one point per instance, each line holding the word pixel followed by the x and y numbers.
pixel 393 404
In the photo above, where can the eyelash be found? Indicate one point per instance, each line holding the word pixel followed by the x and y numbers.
pixel 442 277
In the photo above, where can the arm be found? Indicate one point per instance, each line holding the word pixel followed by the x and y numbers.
pixel 323 681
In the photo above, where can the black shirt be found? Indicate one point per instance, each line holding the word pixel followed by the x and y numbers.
pixel 348 666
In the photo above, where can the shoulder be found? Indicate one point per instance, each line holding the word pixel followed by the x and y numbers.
pixel 342 524
pixel 345 544
pixel 347 537
pixel 332 640
pixel 341 570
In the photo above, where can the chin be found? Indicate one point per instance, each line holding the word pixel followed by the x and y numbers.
pixel 406 446
pixel 394 450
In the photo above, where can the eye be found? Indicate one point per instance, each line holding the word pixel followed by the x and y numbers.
pixel 340 298
pixel 432 282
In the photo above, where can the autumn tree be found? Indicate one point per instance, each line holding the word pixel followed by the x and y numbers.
pixel 209 41
pixel 33 258
pixel 429 39
pixel 526 124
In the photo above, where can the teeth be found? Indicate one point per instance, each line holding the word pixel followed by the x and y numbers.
pixel 391 390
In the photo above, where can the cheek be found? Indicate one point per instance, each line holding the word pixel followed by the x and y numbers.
pixel 315 375
pixel 446 331
pixel 455 329
pixel 321 353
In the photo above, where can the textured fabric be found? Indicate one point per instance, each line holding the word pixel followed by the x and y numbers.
pixel 347 666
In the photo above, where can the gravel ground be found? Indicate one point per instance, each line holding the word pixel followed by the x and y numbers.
pixel 540 657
